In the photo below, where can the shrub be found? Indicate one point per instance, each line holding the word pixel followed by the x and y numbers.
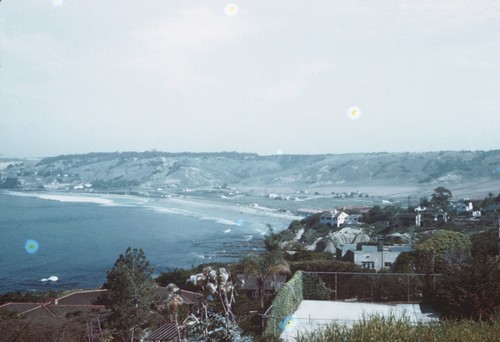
pixel 390 329
pixel 285 303
pixel 314 287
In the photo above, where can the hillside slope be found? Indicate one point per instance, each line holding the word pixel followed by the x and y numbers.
pixel 151 171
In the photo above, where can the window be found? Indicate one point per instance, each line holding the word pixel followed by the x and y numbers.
pixel 368 265
pixel 387 264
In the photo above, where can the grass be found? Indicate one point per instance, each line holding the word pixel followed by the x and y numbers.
pixel 394 329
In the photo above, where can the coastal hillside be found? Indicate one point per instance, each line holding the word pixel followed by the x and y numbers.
pixel 154 171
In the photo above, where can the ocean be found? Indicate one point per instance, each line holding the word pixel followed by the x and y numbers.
pixel 80 236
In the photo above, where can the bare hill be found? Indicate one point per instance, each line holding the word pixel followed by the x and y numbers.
pixel 399 173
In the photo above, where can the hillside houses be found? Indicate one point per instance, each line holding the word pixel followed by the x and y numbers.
pixel 420 218
pixel 333 218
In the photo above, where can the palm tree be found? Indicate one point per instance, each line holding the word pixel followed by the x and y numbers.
pixel 263 266
pixel 273 241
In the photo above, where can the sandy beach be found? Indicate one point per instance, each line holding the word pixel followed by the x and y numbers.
pixel 229 212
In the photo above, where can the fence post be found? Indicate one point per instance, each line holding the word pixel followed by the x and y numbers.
pixel 336 289
pixel 408 288
pixel 371 287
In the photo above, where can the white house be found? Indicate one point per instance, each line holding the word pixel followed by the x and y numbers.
pixel 376 257
pixel 461 208
pixel 333 218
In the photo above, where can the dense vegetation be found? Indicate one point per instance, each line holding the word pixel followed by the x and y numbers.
pixel 388 329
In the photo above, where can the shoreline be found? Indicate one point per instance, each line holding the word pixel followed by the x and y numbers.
pixel 204 209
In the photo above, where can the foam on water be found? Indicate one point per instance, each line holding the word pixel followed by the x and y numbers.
pixel 51 278
pixel 66 198
pixel 220 220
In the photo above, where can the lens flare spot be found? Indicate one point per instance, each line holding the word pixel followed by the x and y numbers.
pixel 231 9
pixel 240 222
pixel 57 2
pixel 31 246
pixel 288 323
pixel 354 113
pixel 279 155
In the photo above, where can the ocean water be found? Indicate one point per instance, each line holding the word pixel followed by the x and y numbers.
pixel 80 237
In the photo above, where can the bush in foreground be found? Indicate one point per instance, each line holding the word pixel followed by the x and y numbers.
pixel 394 329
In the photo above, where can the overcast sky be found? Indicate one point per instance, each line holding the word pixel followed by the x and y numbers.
pixel 269 77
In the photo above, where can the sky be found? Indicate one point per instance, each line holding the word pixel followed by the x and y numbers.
pixel 261 76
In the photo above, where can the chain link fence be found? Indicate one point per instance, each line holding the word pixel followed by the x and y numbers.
pixel 372 287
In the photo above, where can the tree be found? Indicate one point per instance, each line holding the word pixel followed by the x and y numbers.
pixel 273 241
pixel 442 251
pixel 378 213
pixel 132 290
pixel 440 199
pixel 485 243
pixel 263 266
pixel 424 202
pixel 314 287
pixel 471 291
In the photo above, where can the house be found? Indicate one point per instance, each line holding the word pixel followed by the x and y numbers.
pixel 34 312
pixel 342 251
pixel 422 217
pixel 354 219
pixel 333 218
pixel 375 257
pixel 428 218
pixel 406 220
pixel 462 208
pixel 169 331
pixel 82 303
pixel 74 304
pixel 272 284
pixel 191 299
pixel 80 298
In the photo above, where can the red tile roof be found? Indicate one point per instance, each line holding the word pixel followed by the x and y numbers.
pixel 167 332
pixel 80 298
pixel 20 307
